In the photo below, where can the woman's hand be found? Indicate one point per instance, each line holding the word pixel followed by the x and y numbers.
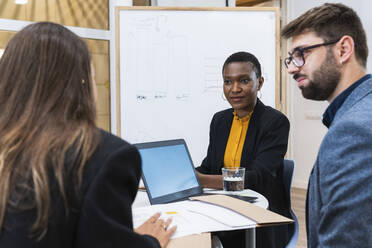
pixel 210 181
pixel 157 228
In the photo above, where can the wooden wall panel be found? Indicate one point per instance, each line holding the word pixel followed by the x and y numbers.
pixel 101 65
pixel 103 122
pixel 99 50
pixel 97 14
pixel 71 13
pixel 40 10
pixel 10 10
pixel 97 46
pixel 103 95
pixel 5 37
pixel 141 2
pixel 83 13
pixel 80 13
pixel 101 61
pixel 248 3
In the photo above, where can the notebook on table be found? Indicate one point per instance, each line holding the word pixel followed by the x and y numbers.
pixel 168 171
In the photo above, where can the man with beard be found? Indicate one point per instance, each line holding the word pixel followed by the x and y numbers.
pixel 327 58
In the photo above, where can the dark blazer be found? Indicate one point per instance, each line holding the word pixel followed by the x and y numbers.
pixel 263 153
pixel 100 217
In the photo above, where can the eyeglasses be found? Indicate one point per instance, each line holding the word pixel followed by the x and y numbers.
pixel 297 56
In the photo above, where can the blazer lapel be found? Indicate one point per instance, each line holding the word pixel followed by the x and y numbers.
pixel 250 138
pixel 223 133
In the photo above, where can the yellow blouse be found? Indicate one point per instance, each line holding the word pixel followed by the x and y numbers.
pixel 235 143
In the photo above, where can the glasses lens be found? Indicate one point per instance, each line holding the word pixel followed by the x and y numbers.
pixel 298 58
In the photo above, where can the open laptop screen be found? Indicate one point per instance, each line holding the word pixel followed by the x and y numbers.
pixel 168 171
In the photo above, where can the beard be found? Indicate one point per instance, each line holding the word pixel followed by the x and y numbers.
pixel 325 80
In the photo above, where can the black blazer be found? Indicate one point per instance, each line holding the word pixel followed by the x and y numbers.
pixel 263 153
pixel 100 217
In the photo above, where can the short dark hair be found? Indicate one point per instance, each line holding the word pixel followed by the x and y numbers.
pixel 244 57
pixel 331 21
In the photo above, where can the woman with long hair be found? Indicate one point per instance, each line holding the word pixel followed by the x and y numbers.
pixel 63 181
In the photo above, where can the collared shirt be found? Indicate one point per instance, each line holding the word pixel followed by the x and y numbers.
pixel 331 111
pixel 235 143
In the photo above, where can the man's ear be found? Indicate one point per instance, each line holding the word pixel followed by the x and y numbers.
pixel 345 48
pixel 260 83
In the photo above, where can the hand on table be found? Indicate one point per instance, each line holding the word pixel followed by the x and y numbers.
pixel 210 181
pixel 157 228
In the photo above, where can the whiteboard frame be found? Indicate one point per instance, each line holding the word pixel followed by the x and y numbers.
pixel 117 39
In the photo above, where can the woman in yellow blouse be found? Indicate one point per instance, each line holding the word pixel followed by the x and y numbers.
pixel 249 135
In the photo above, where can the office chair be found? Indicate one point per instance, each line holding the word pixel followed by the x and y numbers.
pixel 288 166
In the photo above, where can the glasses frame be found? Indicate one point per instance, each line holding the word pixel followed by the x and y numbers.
pixel 287 61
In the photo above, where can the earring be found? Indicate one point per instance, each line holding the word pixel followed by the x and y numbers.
pixel 341 61
pixel 260 94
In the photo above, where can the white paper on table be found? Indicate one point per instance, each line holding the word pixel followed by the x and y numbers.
pixel 181 217
pixel 192 217
pixel 220 214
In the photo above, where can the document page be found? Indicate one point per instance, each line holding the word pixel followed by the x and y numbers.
pixel 220 214
pixel 193 217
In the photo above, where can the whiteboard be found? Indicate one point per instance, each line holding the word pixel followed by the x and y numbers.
pixel 170 68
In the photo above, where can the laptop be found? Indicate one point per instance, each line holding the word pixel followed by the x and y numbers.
pixel 168 172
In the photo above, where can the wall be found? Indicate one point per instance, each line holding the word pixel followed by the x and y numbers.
pixel 99 50
pixel 69 12
pixel 307 131
pixel 66 12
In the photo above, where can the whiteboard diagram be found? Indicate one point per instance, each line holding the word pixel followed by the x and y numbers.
pixel 151 38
